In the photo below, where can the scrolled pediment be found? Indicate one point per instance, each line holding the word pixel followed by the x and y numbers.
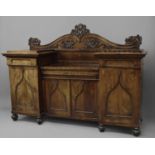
pixel 81 38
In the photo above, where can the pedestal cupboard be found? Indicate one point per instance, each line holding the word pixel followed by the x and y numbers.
pixel 80 76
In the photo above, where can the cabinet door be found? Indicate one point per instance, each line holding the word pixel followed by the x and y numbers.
pixel 24 90
pixel 56 96
pixel 83 97
pixel 119 100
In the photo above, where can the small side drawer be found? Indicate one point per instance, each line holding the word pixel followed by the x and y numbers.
pixel 21 62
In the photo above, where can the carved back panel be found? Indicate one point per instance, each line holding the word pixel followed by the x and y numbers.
pixel 81 38
pixel 81 44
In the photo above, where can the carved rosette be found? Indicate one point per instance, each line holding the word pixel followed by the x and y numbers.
pixel 67 44
pixel 92 43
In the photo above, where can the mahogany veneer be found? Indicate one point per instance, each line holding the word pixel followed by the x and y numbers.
pixel 79 76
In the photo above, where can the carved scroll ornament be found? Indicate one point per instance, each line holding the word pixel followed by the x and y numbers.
pixel 134 40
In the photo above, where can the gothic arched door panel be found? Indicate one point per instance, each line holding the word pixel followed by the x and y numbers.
pixel 83 97
pixel 24 89
pixel 120 96
pixel 56 93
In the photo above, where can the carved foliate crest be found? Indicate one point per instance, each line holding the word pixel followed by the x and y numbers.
pixel 81 38
pixel 80 30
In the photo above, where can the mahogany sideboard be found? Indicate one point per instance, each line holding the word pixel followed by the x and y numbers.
pixel 81 76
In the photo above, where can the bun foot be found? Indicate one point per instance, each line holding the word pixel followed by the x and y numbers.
pixel 101 128
pixel 136 132
pixel 14 116
pixel 141 119
pixel 39 120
